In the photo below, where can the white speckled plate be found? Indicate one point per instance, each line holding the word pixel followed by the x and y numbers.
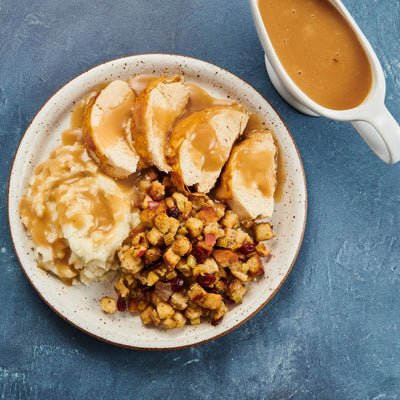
pixel 79 305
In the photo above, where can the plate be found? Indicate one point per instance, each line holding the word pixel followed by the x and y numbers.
pixel 79 305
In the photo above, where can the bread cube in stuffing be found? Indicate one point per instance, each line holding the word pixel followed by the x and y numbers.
pixel 169 323
pixel 238 271
pixel 121 288
pixel 220 209
pixel 183 203
pixel 147 217
pixel 219 312
pixel 108 305
pixel 235 238
pixel 193 312
pixel 194 226
pixel 171 258
pixel 133 306
pixel 155 237
pixel 215 229
pixel 162 222
pixel 174 226
pixel 156 190
pixel 225 257
pixel 179 319
pixel 164 310
pixel 145 315
pixel 184 268
pixel 255 265
pixel 152 278
pixel 197 294
pixel 208 215
pixel 139 239
pixel 236 290
pixel 179 300
pixel 209 266
pixel 155 299
pixel 263 231
pixel 181 246
pixel 230 220
pixel 155 317
pixel 207 300
pixel 262 250
pixel 212 301
pixel 129 263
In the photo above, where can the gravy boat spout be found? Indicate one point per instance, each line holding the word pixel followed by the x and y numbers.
pixel 370 117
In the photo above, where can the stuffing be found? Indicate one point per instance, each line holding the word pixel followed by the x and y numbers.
pixel 188 259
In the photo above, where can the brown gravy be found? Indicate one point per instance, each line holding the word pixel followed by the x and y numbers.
pixel 319 50
pixel 71 136
pixel 200 99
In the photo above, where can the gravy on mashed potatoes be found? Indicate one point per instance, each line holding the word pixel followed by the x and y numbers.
pixel 76 215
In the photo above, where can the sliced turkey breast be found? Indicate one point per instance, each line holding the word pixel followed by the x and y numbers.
pixel 106 130
pixel 248 180
pixel 156 109
pixel 201 143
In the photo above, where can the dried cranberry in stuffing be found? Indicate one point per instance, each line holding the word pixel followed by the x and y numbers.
pixel 199 254
pixel 177 284
pixel 173 212
pixel 121 303
pixel 247 248
pixel 206 279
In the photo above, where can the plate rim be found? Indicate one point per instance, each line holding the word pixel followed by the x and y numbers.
pixel 235 325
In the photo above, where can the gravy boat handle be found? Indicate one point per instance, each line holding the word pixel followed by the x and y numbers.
pixel 382 133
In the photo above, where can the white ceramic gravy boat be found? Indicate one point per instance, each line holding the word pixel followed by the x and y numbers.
pixel 371 118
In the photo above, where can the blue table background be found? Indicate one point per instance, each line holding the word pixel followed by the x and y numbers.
pixel 333 329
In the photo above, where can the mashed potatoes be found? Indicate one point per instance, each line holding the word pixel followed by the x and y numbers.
pixel 77 216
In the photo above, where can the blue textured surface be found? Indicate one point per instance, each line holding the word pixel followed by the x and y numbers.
pixel 331 332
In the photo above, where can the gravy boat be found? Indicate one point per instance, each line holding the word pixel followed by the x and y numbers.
pixel 371 118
